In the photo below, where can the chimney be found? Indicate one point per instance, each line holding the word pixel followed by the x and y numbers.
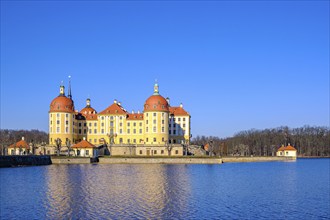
pixel 138 111
pixel 22 138
pixel 132 112
pixel 84 138
pixel 181 106
pixel 115 101
pixel 119 103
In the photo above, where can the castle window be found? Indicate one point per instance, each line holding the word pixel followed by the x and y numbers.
pixel 128 140
pixel 162 151
pixel 58 122
pixel 134 131
pixel 140 124
pixel 90 124
pixel 95 141
pixel 128 131
pixel 134 141
pixel 155 106
pixel 140 131
pixel 79 131
pixel 179 119
pixel 147 114
pixel 120 140
pixel 95 124
pixel 155 139
pixel 111 123
pixel 102 118
pixel 66 122
pixel 66 130
pixel 140 151
pixel 170 132
pixel 90 131
pixel 51 122
pixel 58 129
pixel 102 124
pixel 176 152
pixel 147 129
pixel 84 131
pixel 128 124
pixel 66 115
pixel 111 117
pixel 163 129
pixel 154 129
pixel 79 124
pixel 163 121
pixel 184 125
pixel 155 114
pixel 120 124
pixel 90 140
pixel 102 131
pixel 147 121
pixel 85 124
pixel 120 131
pixel 154 121
pixel 184 119
pixel 121 117
pixel 174 132
pixel 163 139
pixel 134 124
pixel 155 151
pixel 95 131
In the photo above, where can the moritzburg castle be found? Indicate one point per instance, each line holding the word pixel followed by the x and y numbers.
pixel 155 131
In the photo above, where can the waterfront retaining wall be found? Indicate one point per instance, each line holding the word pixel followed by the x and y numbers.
pixel 255 159
pixel 73 160
pixel 114 160
pixel 26 160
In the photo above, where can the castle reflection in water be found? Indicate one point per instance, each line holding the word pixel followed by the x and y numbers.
pixel 136 191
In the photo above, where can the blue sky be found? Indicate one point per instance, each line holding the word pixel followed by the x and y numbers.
pixel 234 65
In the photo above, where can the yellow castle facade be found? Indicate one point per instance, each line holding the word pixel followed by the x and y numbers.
pixel 161 129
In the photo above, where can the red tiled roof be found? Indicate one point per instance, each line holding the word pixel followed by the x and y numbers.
pixel 84 144
pixel 114 109
pixel 62 104
pixel 156 103
pixel 21 143
pixel 178 111
pixel 88 111
pixel 290 148
pixel 91 117
pixel 135 116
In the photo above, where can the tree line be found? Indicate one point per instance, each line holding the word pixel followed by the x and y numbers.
pixel 308 140
pixel 8 137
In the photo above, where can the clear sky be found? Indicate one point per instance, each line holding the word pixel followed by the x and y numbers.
pixel 235 65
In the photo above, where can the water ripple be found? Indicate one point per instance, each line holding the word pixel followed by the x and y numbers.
pixel 231 191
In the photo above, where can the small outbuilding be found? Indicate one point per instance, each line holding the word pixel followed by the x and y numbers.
pixel 85 149
pixel 288 151
pixel 19 148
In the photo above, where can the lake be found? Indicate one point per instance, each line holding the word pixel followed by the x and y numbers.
pixel 262 190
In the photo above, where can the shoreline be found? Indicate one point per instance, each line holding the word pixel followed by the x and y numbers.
pixel 31 160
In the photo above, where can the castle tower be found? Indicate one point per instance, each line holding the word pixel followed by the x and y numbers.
pixel 61 119
pixel 156 114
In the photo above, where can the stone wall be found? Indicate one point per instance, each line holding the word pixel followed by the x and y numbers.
pixel 114 160
pixel 255 159
pixel 73 160
pixel 28 160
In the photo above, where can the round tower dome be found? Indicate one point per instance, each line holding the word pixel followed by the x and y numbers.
pixel 156 102
pixel 62 103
